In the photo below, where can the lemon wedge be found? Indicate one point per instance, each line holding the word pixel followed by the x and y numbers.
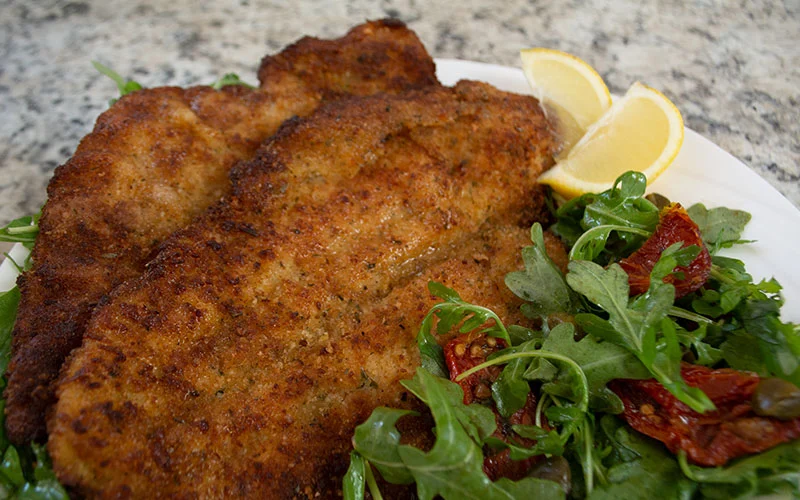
pixel 567 87
pixel 643 131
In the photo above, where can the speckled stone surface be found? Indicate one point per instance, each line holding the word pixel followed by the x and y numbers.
pixel 733 68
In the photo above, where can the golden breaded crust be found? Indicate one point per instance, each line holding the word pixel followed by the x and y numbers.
pixel 379 54
pixel 155 160
pixel 264 332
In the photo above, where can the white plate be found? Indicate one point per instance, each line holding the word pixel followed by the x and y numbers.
pixel 702 172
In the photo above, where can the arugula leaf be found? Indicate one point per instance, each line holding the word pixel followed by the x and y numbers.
pixel 752 313
pixel 569 217
pixel 476 419
pixel 593 242
pixel 8 313
pixel 23 230
pixel 27 474
pixel 671 257
pixel 608 288
pixel 454 466
pixel 578 387
pixel 707 355
pixel 728 286
pixel 541 283
pixel 542 370
pixel 510 390
pixel 566 386
pixel 229 79
pixel 623 204
pixel 377 441
pixel 601 362
pixel 355 478
pixel 451 312
pixel 548 442
pixel 3 438
pixel 584 449
pixel 774 471
pixel 638 467
pixel 742 352
pixel 564 414
pixel 11 468
pixel 125 86
pixel 710 304
pixel 779 342
pixel 534 432
pixel 635 325
pixel 456 310
pixel 617 447
pixel 45 484
pixel 664 360
pixel 430 352
pixel 587 223
pixel 528 487
pixel 721 227
pixel 520 334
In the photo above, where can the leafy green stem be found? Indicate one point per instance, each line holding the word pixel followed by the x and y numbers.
pixel 371 483
pixel 691 396
pixel 540 408
pixel 125 86
pixel 718 275
pixel 685 468
pixel 636 324
pixel 482 312
pixel 679 312
pixel 587 463
pixel 571 426
pixel 230 79
pixel 592 233
pixel 22 230
pixel 584 396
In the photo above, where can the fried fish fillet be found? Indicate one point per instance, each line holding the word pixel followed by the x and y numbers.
pixel 261 334
pixel 154 161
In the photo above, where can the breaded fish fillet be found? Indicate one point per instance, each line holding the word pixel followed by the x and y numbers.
pixel 242 359
pixel 154 161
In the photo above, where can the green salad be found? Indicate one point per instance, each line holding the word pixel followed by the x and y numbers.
pixel 648 333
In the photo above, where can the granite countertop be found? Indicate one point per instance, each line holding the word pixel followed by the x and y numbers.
pixel 733 69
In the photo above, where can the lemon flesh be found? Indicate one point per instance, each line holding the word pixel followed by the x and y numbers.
pixel 571 92
pixel 643 131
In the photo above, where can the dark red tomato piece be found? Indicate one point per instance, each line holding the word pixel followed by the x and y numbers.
pixel 470 350
pixel 674 226
pixel 497 465
pixel 709 439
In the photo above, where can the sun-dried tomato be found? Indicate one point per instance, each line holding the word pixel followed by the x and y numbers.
pixel 499 464
pixel 470 350
pixel 674 226
pixel 709 439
